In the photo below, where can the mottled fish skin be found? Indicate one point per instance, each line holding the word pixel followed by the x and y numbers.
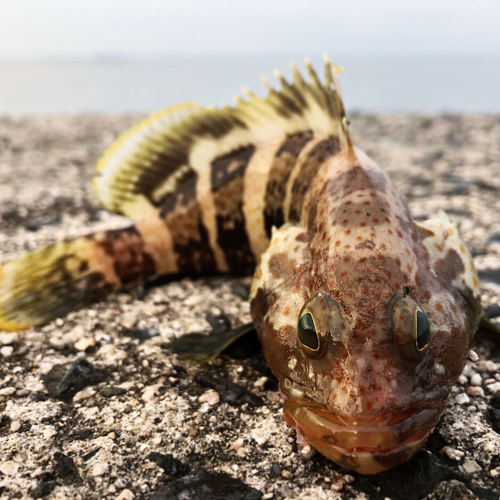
pixel 356 245
pixel 275 184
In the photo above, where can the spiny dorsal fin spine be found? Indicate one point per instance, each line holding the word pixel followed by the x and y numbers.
pixel 143 159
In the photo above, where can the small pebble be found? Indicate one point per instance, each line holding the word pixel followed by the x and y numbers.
pixel 462 399
pixel 473 356
pixel 494 388
pixel 476 379
pixel 259 437
pixel 237 444
pixel 462 380
pixel 286 474
pixel 84 394
pixel 7 391
pixel 9 468
pixel 85 343
pixel 125 495
pixel 211 397
pixel 49 432
pixel 307 452
pixel 475 391
pixel 15 426
pixel 495 472
pixel 151 392
pixel 471 467
pixel 6 351
pixel 99 469
pixel 452 453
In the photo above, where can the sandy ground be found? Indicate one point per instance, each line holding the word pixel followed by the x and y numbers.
pixel 95 405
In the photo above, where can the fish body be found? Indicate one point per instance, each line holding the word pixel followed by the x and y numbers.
pixel 365 316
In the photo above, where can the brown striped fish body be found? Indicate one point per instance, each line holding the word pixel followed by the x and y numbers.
pixel 365 316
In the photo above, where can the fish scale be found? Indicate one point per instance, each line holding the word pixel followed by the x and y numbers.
pixel 365 316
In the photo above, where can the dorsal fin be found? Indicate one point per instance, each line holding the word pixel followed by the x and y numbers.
pixel 146 163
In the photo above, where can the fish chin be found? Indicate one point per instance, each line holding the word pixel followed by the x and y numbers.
pixel 367 447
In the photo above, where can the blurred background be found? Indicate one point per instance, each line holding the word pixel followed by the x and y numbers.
pixel 63 56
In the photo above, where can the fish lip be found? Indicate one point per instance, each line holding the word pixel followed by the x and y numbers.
pixel 434 398
pixel 385 439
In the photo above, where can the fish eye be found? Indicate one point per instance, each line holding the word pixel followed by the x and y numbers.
pixel 411 327
pixel 422 329
pixel 318 320
pixel 308 335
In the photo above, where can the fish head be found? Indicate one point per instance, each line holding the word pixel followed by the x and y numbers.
pixel 365 336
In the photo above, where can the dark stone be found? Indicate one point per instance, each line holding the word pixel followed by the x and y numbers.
pixel 82 434
pixel 90 454
pixel 44 489
pixel 492 311
pixel 423 472
pixel 494 238
pixel 495 401
pixel 141 334
pixel 5 422
pixel 112 390
pixel 64 381
pixel 494 416
pixel 65 469
pixel 481 184
pixel 231 393
pixel 170 465
pixel 241 290
pixel 38 396
pixel 426 474
pixel 275 471
pixel 220 323
pixel 206 485
pixel 491 275
pixel 451 489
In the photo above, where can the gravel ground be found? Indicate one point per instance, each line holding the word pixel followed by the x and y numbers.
pixel 96 406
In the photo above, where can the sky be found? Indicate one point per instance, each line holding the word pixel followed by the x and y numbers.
pixel 41 29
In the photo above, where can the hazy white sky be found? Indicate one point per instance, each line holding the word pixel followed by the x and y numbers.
pixel 67 28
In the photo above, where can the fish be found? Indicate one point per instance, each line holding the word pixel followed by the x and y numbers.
pixel 365 316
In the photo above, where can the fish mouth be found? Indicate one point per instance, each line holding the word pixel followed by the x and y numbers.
pixel 368 446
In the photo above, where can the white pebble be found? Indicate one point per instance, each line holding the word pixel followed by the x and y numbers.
pixel 85 343
pixel 211 397
pixel 462 399
pixel 15 426
pixel 125 495
pixel 84 394
pixel 494 388
pixel 237 444
pixel 99 469
pixel 151 392
pixel 9 468
pixel 495 472
pixel 6 351
pixel 452 453
pixel 7 338
pixel 473 356
pixel 471 467
pixel 259 437
pixel 462 380
pixel 49 432
pixel 7 391
pixel 476 379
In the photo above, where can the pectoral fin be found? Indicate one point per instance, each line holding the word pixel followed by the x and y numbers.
pixel 201 347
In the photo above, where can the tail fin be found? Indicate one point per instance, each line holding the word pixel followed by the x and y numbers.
pixel 48 283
